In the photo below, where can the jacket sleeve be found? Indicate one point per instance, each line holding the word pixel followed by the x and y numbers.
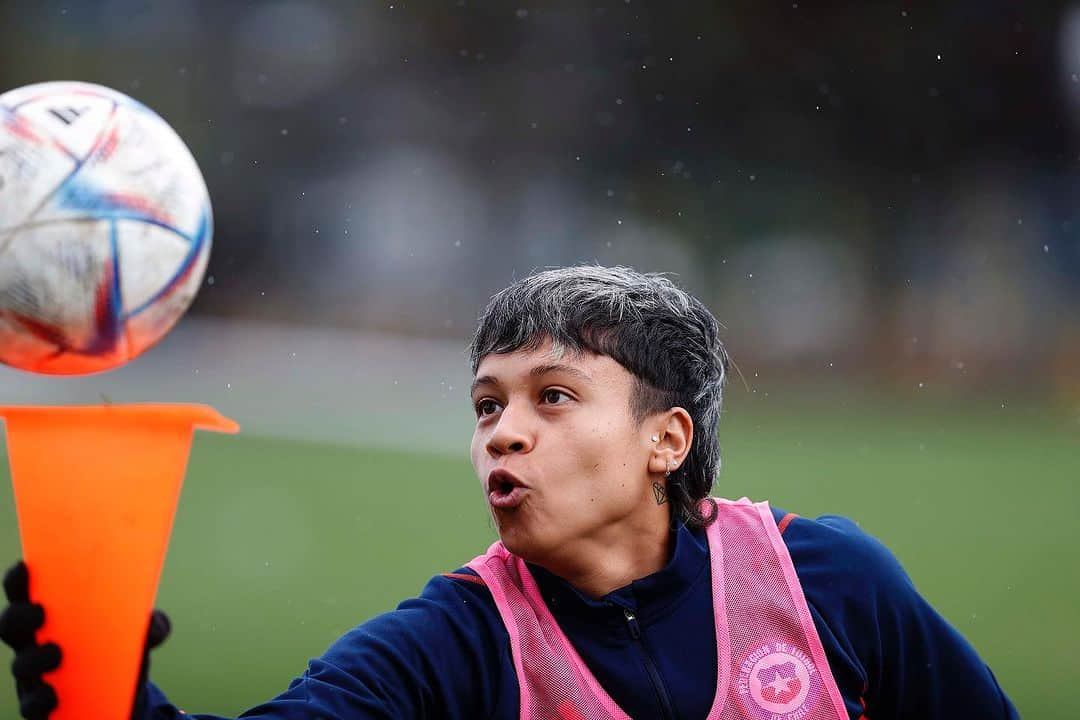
pixel 911 661
pixel 435 656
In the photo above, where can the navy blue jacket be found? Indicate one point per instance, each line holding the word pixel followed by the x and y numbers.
pixel 446 654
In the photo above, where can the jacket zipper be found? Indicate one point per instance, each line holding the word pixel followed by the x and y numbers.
pixel 654 674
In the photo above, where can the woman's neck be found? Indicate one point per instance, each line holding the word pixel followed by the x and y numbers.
pixel 628 551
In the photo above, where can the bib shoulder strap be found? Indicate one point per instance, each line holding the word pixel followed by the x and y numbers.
pixel 466 578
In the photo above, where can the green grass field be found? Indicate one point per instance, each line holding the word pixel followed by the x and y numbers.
pixel 279 547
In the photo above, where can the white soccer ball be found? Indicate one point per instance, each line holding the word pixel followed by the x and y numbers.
pixel 105 228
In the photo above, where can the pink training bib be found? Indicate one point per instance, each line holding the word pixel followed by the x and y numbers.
pixel 770 662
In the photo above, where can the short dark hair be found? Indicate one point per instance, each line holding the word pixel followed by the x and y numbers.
pixel 664 336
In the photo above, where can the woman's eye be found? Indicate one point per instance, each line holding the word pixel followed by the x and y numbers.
pixel 552 396
pixel 486 407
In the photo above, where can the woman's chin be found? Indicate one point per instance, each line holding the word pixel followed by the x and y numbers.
pixel 520 542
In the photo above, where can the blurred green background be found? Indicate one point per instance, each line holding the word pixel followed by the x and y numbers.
pixel 280 546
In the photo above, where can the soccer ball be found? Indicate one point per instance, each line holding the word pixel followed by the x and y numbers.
pixel 105 228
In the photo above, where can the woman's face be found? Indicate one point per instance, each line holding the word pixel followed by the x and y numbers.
pixel 562 427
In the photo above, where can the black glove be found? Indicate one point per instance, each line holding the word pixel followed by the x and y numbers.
pixel 160 627
pixel 18 623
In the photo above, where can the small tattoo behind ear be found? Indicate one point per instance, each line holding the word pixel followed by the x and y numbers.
pixel 660 493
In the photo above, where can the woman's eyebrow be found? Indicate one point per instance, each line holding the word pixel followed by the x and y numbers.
pixel 556 367
pixel 537 371
pixel 483 380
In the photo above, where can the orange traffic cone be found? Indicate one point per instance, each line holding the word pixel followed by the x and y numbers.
pixel 96 491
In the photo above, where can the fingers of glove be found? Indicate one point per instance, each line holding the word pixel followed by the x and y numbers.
pixel 37 702
pixel 19 622
pixel 160 627
pixel 17 583
pixel 30 663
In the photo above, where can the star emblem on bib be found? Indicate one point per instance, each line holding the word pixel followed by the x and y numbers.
pixel 779 685
pixel 778 681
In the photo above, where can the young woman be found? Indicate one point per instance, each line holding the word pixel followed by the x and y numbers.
pixel 618 587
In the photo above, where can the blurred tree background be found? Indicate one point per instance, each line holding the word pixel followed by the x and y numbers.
pixel 889 185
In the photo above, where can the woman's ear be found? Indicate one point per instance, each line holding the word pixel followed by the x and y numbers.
pixel 674 433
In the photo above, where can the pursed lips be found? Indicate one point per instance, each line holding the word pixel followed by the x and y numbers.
pixel 505 490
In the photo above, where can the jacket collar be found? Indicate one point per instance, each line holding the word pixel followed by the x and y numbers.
pixel 647 597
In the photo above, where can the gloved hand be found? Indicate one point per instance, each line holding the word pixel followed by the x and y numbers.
pixel 160 627
pixel 18 623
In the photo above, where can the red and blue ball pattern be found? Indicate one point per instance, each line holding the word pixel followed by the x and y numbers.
pixel 105 228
